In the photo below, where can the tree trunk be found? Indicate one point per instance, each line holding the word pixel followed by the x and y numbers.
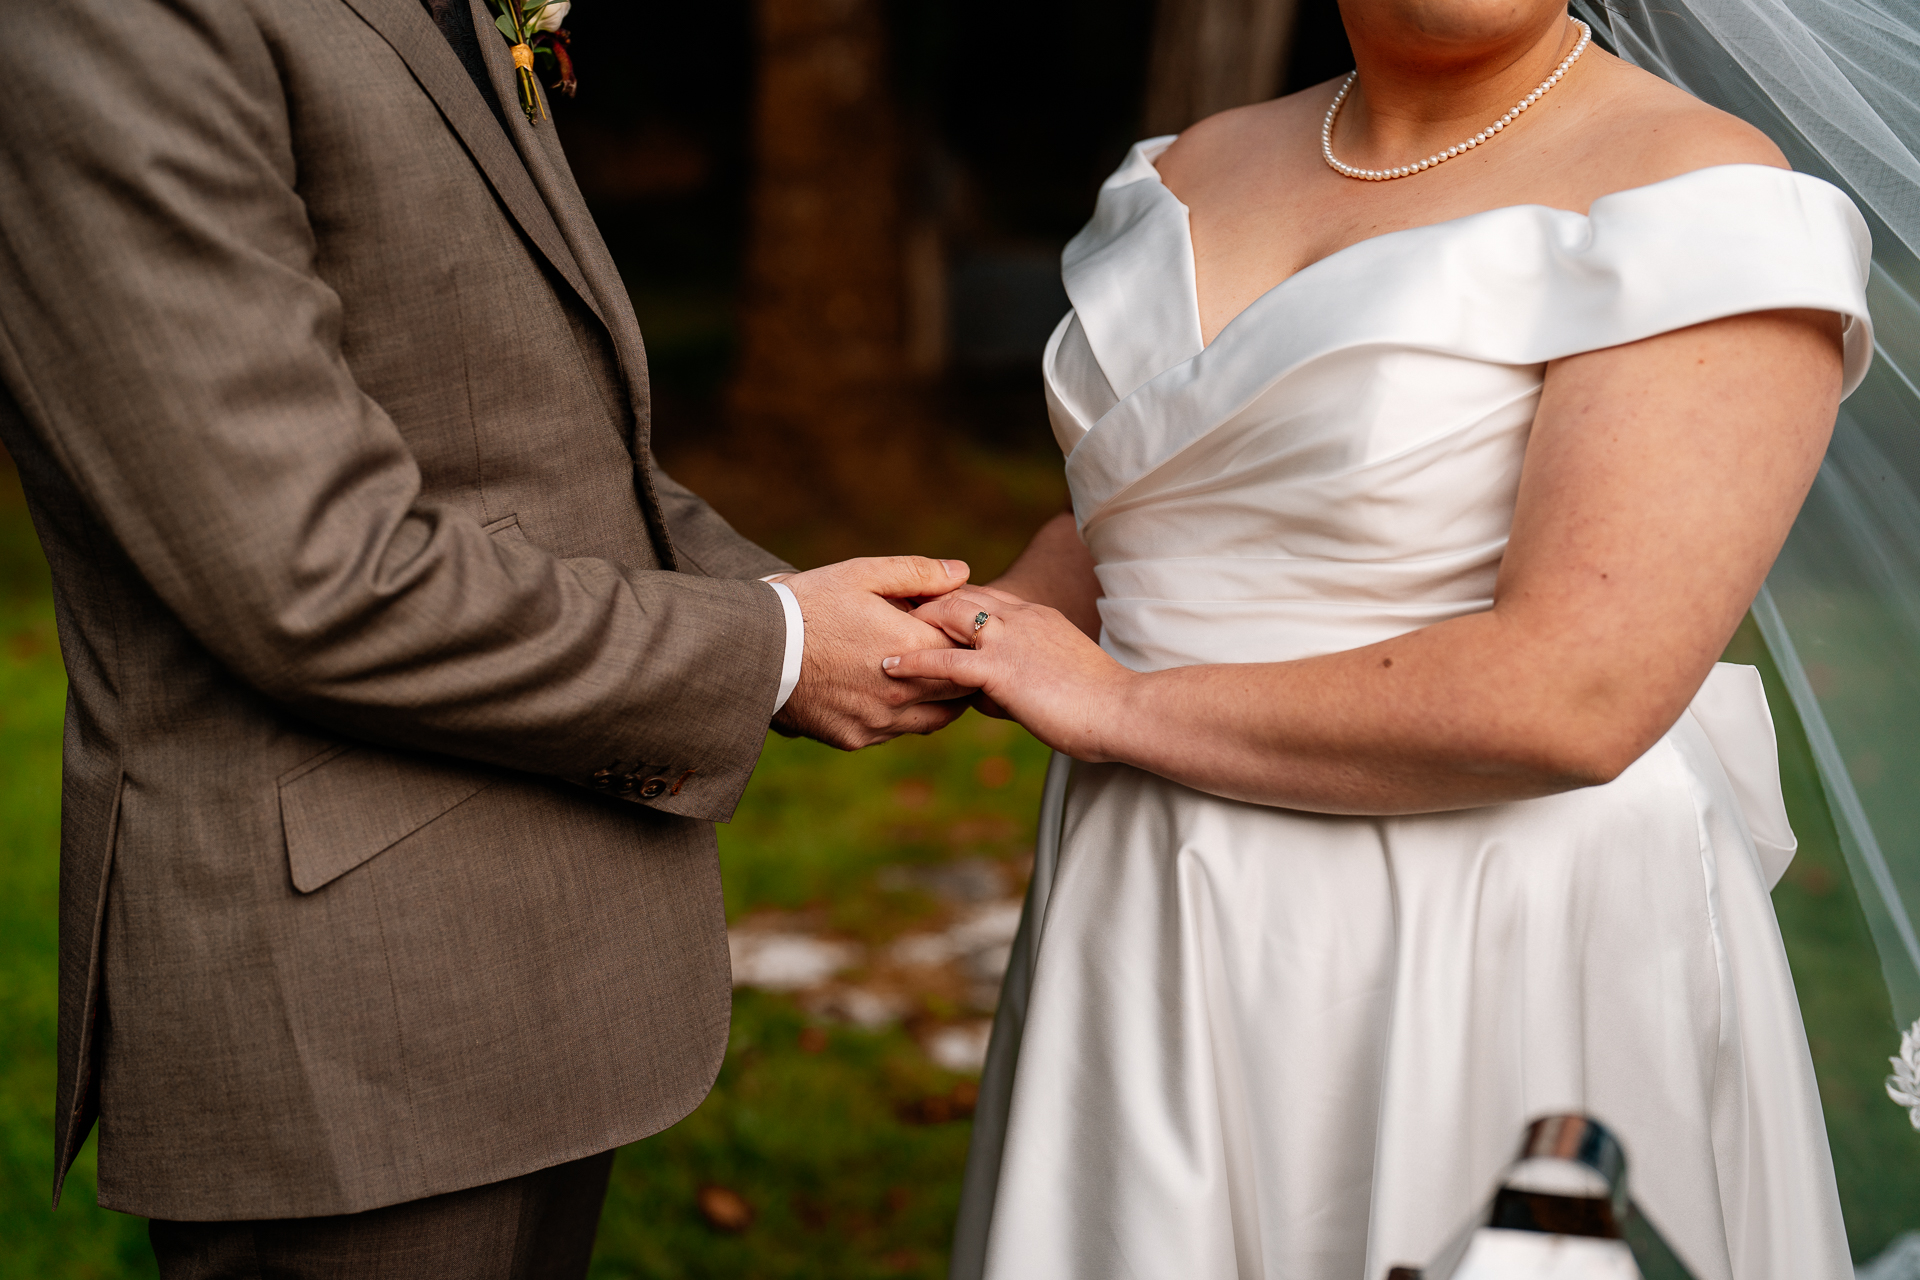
pixel 822 311
pixel 835 445
pixel 824 389
pixel 1209 55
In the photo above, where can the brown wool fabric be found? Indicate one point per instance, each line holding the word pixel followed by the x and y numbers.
pixel 332 414
pixel 539 1226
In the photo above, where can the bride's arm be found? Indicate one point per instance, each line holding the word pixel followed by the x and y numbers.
pixel 1056 570
pixel 1660 480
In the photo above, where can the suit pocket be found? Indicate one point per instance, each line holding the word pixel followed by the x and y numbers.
pixel 345 805
pixel 506 528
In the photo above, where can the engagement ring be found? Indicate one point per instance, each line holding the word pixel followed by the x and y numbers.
pixel 979 621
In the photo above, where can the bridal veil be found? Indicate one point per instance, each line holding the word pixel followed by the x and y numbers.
pixel 1836 84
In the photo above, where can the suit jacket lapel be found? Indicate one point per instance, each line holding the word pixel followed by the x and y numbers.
pixel 533 181
pixel 539 148
pixel 404 24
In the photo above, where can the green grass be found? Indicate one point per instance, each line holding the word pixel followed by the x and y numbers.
pixel 841 1187
pixel 818 822
pixel 81 1241
pixel 818 1133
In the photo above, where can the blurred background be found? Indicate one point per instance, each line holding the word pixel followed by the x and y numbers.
pixel 841 222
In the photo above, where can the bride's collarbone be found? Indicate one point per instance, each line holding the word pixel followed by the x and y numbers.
pixel 1263 206
pixel 1311 213
pixel 1249 241
pixel 1244 250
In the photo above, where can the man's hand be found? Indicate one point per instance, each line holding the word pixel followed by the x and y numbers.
pixel 856 614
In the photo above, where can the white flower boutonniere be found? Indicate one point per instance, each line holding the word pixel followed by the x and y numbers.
pixel 533 28
pixel 1903 1086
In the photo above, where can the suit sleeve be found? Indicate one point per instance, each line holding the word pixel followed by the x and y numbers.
pixel 164 331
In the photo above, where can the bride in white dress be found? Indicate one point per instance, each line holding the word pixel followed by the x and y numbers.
pixel 1410 515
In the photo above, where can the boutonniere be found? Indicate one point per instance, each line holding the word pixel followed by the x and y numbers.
pixel 532 27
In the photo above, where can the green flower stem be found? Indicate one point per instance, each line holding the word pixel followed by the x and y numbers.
pixel 515 21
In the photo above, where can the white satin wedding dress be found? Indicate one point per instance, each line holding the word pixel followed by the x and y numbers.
pixel 1240 1041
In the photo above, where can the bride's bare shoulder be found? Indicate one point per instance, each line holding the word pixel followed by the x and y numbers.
pixel 1222 144
pixel 1643 130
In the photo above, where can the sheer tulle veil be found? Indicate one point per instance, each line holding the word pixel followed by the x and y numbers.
pixel 1836 83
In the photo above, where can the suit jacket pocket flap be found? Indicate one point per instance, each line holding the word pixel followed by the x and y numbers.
pixel 342 808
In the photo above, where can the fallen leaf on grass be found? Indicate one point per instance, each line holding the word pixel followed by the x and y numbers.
pixel 725 1210
pixel 939 1108
pixel 913 793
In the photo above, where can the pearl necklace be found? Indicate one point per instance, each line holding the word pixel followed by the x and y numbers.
pixel 1441 157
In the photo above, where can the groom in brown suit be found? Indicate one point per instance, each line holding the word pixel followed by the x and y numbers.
pixel 405 687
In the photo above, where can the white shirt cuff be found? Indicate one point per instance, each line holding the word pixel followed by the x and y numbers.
pixel 796 644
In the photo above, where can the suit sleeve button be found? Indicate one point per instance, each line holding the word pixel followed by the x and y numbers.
pixel 652 787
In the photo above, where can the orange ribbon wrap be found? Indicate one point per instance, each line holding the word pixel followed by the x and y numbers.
pixel 523 57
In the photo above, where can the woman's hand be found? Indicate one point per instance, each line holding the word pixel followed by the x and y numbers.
pixel 1057 569
pixel 1032 663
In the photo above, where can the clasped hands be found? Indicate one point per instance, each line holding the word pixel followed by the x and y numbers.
pixel 892 648
pixel 856 613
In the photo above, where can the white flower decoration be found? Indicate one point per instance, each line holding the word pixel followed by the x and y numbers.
pixel 1903 1086
pixel 553 15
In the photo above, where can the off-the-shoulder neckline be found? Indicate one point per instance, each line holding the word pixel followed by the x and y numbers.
pixel 1693 267
pixel 1144 153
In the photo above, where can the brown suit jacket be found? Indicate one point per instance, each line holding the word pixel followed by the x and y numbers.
pixel 404 688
